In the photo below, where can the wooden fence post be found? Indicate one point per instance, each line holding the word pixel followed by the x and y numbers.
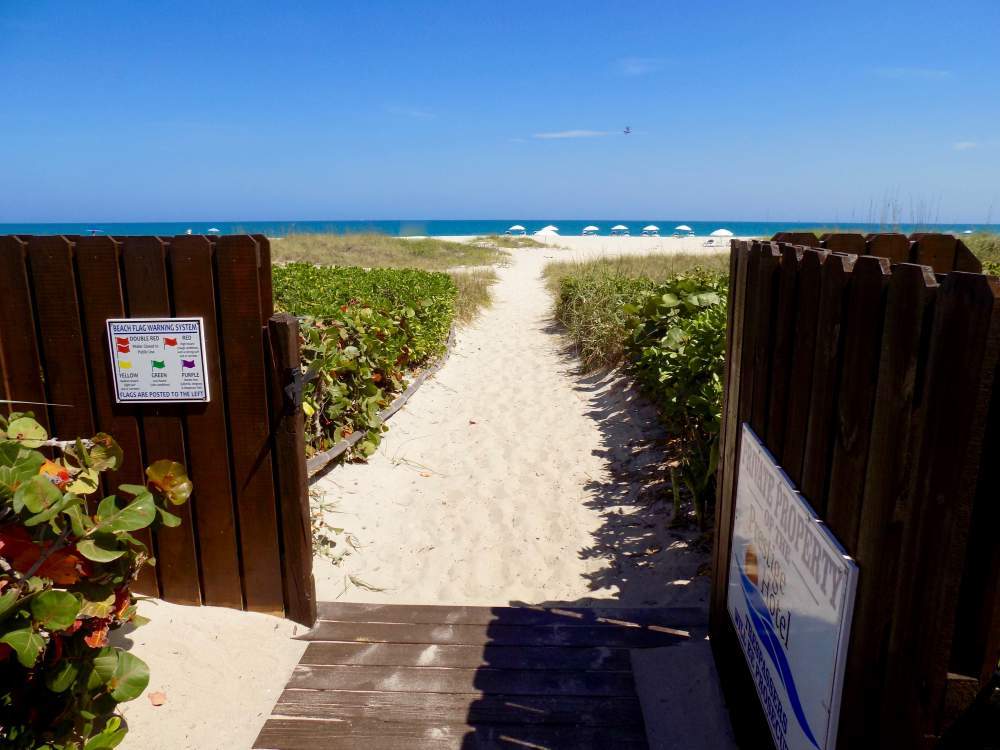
pixel 291 484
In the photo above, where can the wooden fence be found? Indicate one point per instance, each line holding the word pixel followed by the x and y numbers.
pixel 245 540
pixel 866 365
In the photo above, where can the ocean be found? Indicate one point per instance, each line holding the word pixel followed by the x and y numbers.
pixel 409 228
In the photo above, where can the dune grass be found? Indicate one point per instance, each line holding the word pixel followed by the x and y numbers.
pixel 508 240
pixel 372 250
pixel 986 247
pixel 591 297
pixel 474 292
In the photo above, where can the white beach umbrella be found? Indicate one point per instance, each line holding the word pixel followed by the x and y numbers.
pixel 213 230
pixel 549 228
pixel 547 232
pixel 516 228
pixel 618 227
pixel 721 233
pixel 683 228
pixel 651 228
pixel 591 228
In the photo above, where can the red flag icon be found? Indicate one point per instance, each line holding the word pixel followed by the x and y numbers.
pixel 120 341
pixel 169 342
pixel 123 348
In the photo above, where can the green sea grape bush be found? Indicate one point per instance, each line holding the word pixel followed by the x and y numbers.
pixel 67 563
pixel 677 352
pixel 362 330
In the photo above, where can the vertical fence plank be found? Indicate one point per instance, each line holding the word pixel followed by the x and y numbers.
pixel 805 239
pixel 149 297
pixel 18 345
pixel 266 283
pixel 292 484
pixel 739 261
pixel 894 246
pixel 976 646
pixel 767 300
pixel 825 375
pixel 862 332
pixel 965 260
pixel 193 288
pixel 909 303
pixel 803 361
pixel 844 243
pixel 961 364
pixel 102 298
pixel 934 250
pixel 784 340
pixel 246 401
pixel 60 330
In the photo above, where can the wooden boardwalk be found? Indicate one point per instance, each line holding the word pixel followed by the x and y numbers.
pixel 389 677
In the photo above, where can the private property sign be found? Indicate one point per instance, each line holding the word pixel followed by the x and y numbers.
pixel 791 597
pixel 158 360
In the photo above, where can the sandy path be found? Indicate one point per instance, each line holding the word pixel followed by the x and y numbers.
pixel 510 477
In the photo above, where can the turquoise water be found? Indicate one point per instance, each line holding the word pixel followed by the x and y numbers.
pixel 445 228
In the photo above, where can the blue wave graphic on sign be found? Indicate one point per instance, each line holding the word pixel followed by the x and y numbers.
pixel 765 632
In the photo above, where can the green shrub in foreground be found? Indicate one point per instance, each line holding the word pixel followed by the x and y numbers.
pixel 67 563
pixel 677 353
pixel 361 331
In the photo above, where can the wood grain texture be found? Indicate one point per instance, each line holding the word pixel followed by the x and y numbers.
pixel 291 734
pixel 242 339
pixel 148 296
pixel 291 482
pixel 610 711
pixel 592 658
pixel 22 362
pixel 193 290
pixel 102 297
pixel 682 618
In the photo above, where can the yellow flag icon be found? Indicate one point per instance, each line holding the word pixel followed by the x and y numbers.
pixel 124 364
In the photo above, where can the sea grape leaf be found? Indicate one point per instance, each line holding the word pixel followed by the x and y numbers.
pixel 27 644
pixel 55 609
pixel 36 494
pixel 168 519
pixel 130 678
pixel 138 514
pixel 62 676
pixel 27 432
pixel 7 602
pixel 101 553
pixel 85 482
pixel 171 479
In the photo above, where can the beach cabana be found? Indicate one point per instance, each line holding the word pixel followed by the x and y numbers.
pixel 651 231
pixel 721 233
pixel 517 229
pixel 619 230
pixel 590 230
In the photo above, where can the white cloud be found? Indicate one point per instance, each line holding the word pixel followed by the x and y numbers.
pixel 571 134
pixel 911 73
pixel 415 112
pixel 638 66
pixel 964 145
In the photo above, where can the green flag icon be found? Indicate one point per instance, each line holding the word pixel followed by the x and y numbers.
pixel 159 364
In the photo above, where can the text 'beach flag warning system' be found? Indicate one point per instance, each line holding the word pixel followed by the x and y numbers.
pixel 158 360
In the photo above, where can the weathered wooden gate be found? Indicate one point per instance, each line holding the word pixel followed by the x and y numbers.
pixel 245 539
pixel 871 380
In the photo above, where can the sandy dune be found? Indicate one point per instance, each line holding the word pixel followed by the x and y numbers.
pixel 510 477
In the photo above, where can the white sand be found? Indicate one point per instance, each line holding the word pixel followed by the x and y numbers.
pixel 221 671
pixel 511 478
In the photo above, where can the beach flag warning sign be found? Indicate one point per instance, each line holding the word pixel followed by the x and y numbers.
pixel 158 360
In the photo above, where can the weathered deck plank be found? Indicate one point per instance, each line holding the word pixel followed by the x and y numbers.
pixel 391 677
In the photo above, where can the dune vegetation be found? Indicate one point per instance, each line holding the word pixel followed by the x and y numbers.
pixel 373 250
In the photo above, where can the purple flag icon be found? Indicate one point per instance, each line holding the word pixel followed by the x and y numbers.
pixel 188 363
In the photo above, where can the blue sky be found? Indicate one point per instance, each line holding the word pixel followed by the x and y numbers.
pixel 332 110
